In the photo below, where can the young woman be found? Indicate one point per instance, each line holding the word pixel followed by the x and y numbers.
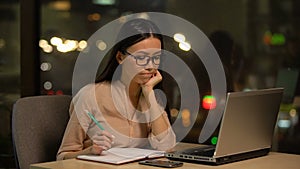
pixel 122 99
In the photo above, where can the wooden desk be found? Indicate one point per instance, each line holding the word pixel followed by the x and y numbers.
pixel 272 161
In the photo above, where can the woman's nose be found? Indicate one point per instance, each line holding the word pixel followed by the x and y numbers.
pixel 151 65
pixel 150 69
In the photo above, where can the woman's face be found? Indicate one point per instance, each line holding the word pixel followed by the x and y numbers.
pixel 142 60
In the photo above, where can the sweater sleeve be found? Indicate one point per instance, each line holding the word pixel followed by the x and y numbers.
pixel 165 140
pixel 75 137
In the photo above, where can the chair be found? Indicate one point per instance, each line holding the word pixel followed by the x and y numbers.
pixel 38 125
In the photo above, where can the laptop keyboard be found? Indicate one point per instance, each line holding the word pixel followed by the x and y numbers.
pixel 207 151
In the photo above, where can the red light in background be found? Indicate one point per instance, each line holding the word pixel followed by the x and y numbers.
pixel 209 102
pixel 53 92
pixel 59 92
pixel 50 92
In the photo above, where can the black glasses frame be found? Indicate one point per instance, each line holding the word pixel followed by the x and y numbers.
pixel 136 59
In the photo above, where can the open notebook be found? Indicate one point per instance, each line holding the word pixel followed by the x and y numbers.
pixel 122 155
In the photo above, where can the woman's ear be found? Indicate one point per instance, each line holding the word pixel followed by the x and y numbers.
pixel 120 57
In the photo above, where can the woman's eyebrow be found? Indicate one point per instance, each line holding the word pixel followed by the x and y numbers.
pixel 142 52
pixel 146 53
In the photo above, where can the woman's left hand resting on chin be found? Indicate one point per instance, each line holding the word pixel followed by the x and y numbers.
pixel 154 80
pixel 159 123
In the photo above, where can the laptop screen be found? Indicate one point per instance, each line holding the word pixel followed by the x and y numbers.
pixel 248 121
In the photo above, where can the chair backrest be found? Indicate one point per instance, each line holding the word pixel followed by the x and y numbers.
pixel 38 125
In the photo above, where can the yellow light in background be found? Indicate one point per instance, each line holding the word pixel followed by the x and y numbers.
pixel 293 112
pixel 62 48
pixel 61 5
pixel 94 17
pixel 47 49
pixel 178 37
pixel 186 117
pixel 174 112
pixel 71 44
pixel 82 45
pixel 185 46
pixel 67 46
pixel 43 43
pixel 101 45
pixel 56 41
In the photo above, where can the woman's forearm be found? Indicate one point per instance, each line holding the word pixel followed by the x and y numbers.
pixel 158 120
pixel 70 155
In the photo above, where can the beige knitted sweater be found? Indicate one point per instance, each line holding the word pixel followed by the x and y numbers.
pixel 110 104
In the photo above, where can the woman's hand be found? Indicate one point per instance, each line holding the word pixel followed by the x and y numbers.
pixel 154 80
pixel 96 149
pixel 101 141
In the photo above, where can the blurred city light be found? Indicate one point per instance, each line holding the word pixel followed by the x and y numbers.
pixel 47 85
pixel 209 102
pixel 101 45
pixel 178 37
pixel 185 46
pixel 45 66
pixel 284 123
pixel 186 117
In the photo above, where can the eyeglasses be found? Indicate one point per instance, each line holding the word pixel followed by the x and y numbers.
pixel 143 60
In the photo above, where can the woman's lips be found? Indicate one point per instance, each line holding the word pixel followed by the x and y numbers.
pixel 146 75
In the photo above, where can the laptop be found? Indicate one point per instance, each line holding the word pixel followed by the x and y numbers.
pixel 246 129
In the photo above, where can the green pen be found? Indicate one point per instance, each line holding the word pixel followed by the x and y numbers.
pixel 94 119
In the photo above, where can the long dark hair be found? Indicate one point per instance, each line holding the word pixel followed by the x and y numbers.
pixel 132 32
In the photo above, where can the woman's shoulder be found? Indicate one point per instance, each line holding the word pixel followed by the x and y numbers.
pixel 93 86
pixel 103 85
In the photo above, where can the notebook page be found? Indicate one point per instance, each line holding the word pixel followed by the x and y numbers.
pixel 106 157
pixel 136 152
pixel 122 155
